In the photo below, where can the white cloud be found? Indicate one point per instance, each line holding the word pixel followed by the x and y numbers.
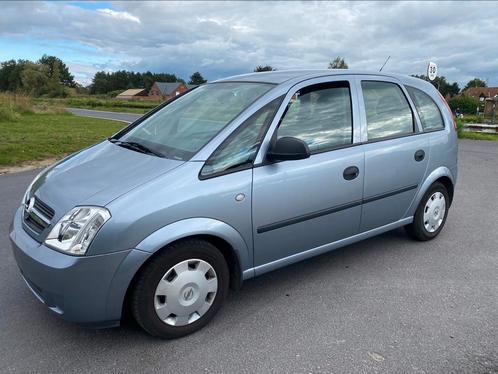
pixel 119 15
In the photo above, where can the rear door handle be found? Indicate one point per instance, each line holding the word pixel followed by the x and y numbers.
pixel 419 155
pixel 351 173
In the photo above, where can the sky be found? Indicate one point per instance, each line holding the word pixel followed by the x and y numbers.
pixel 220 39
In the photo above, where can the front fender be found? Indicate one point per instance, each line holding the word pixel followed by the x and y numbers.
pixel 441 171
pixel 199 226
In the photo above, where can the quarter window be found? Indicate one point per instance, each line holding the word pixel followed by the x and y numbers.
pixel 320 115
pixel 428 111
pixel 238 151
pixel 388 112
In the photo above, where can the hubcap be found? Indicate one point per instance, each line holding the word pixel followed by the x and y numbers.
pixel 434 211
pixel 185 292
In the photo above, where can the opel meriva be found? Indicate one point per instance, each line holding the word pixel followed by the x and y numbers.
pixel 228 181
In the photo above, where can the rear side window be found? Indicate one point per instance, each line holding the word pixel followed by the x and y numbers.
pixel 388 112
pixel 427 109
pixel 238 151
pixel 320 115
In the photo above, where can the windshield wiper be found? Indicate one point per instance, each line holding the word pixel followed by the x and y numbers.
pixel 135 147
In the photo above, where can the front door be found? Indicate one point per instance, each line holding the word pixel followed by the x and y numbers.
pixel 301 205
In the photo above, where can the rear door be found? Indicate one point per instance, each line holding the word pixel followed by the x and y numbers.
pixel 396 151
pixel 301 205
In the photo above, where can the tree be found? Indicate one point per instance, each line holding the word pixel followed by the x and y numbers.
pixel 338 63
pixel 54 86
pixel 260 68
pixel 476 82
pixel 441 83
pixel 10 75
pixel 197 79
pixel 34 78
pixel 65 77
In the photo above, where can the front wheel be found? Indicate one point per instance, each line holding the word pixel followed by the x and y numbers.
pixel 181 289
pixel 431 214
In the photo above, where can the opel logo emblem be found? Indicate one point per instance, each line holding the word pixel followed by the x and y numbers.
pixel 28 206
pixel 188 294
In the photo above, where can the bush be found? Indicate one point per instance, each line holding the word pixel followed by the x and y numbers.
pixel 466 104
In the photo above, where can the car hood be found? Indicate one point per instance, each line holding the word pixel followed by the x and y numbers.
pixel 96 176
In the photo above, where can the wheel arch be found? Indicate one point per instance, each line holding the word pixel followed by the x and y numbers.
pixel 441 174
pixel 219 234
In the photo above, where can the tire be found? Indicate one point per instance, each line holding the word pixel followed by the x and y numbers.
pixel 423 227
pixel 180 279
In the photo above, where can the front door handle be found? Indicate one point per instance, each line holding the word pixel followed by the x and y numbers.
pixel 351 173
pixel 419 155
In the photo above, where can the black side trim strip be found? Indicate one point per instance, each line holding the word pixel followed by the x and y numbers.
pixel 390 193
pixel 305 217
pixel 337 208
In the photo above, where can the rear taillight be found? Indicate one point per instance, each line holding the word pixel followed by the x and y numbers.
pixel 449 110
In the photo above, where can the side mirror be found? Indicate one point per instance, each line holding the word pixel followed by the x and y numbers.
pixel 288 148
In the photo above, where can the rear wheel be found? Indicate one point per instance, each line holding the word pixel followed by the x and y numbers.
pixel 181 289
pixel 431 214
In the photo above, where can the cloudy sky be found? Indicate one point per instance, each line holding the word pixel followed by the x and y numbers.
pixel 221 39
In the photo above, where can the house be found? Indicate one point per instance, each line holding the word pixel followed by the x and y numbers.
pixel 491 106
pixel 481 93
pixel 133 94
pixel 166 90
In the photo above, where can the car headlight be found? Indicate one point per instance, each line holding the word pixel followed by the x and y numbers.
pixel 75 231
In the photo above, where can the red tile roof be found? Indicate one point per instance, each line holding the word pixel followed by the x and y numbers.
pixel 477 91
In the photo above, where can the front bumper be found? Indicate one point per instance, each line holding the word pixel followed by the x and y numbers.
pixel 88 290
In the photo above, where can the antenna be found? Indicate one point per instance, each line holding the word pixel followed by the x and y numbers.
pixel 387 59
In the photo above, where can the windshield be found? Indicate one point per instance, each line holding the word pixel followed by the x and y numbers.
pixel 184 126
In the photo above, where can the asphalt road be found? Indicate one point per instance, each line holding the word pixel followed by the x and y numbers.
pixel 385 305
pixel 123 117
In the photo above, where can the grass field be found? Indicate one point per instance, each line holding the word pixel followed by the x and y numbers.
pixel 111 105
pixel 40 136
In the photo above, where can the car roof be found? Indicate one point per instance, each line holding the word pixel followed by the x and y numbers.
pixel 282 76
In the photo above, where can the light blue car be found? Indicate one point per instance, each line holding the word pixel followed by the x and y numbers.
pixel 233 179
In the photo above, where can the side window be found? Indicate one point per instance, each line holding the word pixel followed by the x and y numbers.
pixel 388 112
pixel 240 148
pixel 427 109
pixel 320 115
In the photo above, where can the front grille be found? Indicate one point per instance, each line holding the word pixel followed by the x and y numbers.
pixel 44 209
pixel 35 225
pixel 37 215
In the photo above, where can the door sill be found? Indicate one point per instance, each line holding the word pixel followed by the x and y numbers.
pixel 261 269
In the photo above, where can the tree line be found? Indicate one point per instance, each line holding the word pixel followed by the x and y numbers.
pixel 50 76
pixel 105 82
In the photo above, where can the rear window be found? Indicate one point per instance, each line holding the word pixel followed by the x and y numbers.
pixel 387 110
pixel 427 109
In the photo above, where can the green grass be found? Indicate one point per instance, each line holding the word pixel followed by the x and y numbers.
pixel 477 136
pixel 39 136
pixel 111 105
